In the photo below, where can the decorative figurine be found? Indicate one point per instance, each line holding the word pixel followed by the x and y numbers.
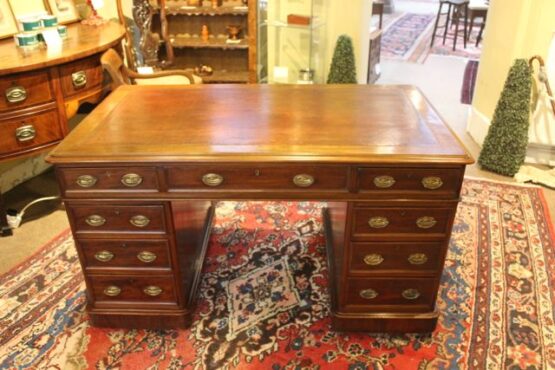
pixel 204 33
pixel 234 30
pixel 204 70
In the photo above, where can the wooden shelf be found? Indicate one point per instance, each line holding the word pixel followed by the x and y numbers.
pixel 213 43
pixel 200 11
pixel 227 77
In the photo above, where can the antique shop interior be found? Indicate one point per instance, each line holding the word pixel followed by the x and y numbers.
pixel 277 184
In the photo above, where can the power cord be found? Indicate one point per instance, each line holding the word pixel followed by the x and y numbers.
pixel 14 218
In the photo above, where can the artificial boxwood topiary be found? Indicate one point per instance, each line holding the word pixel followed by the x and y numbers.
pixel 343 68
pixel 505 145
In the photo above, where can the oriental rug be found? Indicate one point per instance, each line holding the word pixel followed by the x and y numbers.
pixel 496 299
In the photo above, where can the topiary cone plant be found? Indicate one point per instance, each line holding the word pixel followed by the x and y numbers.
pixel 343 68
pixel 505 145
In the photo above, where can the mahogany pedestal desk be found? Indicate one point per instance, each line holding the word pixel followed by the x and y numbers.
pixel 140 174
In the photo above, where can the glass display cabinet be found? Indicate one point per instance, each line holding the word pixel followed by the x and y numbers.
pixel 291 41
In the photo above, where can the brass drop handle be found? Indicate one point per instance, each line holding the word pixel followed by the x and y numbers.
pixel 418 259
pixel 384 182
pixel 16 94
pixel 146 256
pixel 153 290
pixel 79 79
pixel 426 222
pixel 104 256
pixel 25 133
pixel 410 294
pixel 86 181
pixel 368 293
pixel 95 220
pixel 432 182
pixel 378 222
pixel 131 180
pixel 373 259
pixel 139 221
pixel 303 180
pixel 212 179
pixel 112 291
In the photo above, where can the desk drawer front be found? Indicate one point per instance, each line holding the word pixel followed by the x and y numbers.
pixel 153 289
pixel 390 221
pixel 81 75
pixel 367 258
pixel 125 253
pixel 89 180
pixel 441 181
pixel 23 90
pixel 288 178
pixel 28 132
pixel 118 219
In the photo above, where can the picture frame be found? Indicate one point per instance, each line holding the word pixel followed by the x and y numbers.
pixel 28 8
pixel 65 10
pixel 8 24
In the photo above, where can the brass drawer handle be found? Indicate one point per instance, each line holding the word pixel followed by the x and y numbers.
pixel 104 256
pixel 303 180
pixel 212 179
pixel 79 79
pixel 16 94
pixel 112 291
pixel 418 259
pixel 384 182
pixel 378 222
pixel 153 290
pixel 131 180
pixel 373 259
pixel 410 294
pixel 86 181
pixel 426 222
pixel 25 133
pixel 95 220
pixel 368 293
pixel 139 221
pixel 146 257
pixel 432 182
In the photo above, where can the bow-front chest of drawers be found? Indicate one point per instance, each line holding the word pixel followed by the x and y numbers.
pixel 139 177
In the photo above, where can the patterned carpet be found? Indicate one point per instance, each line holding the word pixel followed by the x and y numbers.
pixel 496 299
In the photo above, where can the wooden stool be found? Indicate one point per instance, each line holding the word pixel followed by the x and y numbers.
pixel 477 9
pixel 456 9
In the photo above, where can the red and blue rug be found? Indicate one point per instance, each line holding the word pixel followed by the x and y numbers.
pixel 496 299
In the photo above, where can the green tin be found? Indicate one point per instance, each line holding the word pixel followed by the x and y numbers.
pixel 26 39
pixel 62 30
pixel 31 24
pixel 49 21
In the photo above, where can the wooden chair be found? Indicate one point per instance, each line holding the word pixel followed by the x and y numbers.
pixel 477 9
pixel 121 75
pixel 457 10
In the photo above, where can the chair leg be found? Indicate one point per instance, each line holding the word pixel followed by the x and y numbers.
pixel 447 23
pixel 479 38
pixel 470 26
pixel 436 24
pixel 456 19
pixel 465 7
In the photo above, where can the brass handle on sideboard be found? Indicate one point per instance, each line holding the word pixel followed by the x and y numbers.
pixel 368 293
pixel 432 182
pixel 79 79
pixel 373 259
pixel 16 94
pixel 417 259
pixel 86 181
pixel 139 221
pixel 378 222
pixel 112 291
pixel 212 179
pixel 104 256
pixel 410 294
pixel 131 180
pixel 152 290
pixel 95 220
pixel 25 133
pixel 303 180
pixel 426 222
pixel 384 182
pixel 146 256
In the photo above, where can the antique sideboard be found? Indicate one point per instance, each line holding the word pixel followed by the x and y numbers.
pixel 140 174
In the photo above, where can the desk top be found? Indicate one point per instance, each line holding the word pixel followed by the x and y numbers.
pixel 82 41
pixel 263 123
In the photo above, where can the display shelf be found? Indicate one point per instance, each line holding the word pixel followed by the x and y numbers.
pixel 280 24
pixel 205 11
pixel 212 43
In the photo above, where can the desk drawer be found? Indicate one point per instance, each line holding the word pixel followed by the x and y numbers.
pixel 29 132
pixel 284 178
pixel 89 180
pixel 151 289
pixel 444 182
pixel 100 253
pixel 24 89
pixel 389 222
pixel 94 219
pixel 82 75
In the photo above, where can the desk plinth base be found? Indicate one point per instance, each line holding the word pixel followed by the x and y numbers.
pixel 143 320
pixel 385 323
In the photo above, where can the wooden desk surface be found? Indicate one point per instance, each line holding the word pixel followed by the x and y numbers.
pixel 263 123
pixel 82 41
